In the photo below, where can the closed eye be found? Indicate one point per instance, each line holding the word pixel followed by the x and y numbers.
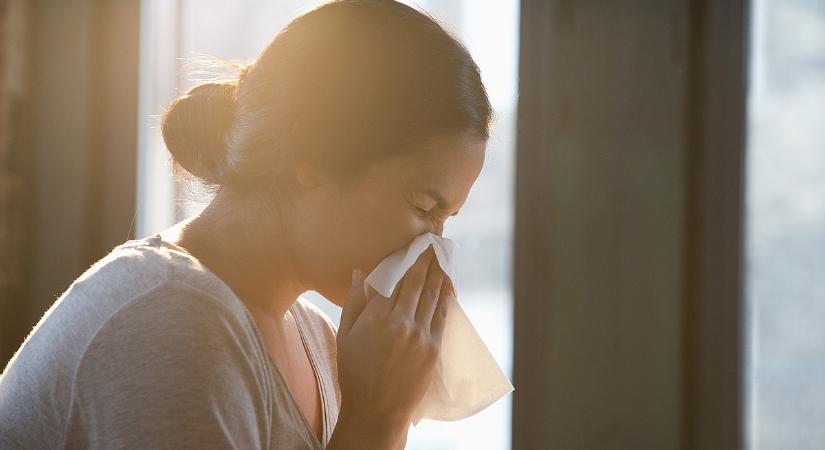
pixel 422 211
pixel 426 213
pixel 440 199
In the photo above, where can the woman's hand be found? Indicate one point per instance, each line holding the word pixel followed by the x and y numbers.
pixel 388 348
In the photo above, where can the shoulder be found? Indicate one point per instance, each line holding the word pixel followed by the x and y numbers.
pixel 171 319
pixel 175 343
pixel 132 269
pixel 171 358
pixel 142 263
pixel 139 270
pixel 174 339
pixel 127 270
pixel 136 294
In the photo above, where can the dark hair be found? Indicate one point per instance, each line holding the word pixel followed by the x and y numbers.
pixel 342 86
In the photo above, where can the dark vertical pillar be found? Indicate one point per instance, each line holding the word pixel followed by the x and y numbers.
pixel 714 243
pixel 80 142
pixel 15 171
pixel 616 233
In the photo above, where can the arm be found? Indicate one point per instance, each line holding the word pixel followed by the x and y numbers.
pixel 167 371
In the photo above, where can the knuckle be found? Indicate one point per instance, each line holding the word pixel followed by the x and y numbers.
pixel 402 329
pixel 442 309
pixel 417 337
pixel 431 294
pixel 408 331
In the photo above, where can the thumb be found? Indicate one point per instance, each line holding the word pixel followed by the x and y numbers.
pixel 354 304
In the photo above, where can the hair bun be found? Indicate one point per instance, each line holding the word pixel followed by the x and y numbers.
pixel 194 126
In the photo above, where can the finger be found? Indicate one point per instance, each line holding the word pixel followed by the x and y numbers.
pixel 354 304
pixel 411 285
pixel 445 298
pixel 378 305
pixel 429 295
pixel 395 291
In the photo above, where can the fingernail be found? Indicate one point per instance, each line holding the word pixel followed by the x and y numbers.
pixel 356 277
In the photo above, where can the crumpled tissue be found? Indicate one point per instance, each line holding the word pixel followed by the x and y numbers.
pixel 466 379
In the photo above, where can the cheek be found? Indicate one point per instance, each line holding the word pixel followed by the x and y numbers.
pixel 382 232
pixel 370 238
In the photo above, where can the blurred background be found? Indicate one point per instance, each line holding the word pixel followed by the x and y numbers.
pixel 643 252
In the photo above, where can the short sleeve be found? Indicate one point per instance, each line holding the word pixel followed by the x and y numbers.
pixel 170 370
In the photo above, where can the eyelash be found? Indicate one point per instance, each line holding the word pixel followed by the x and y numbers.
pixel 426 214
pixel 421 212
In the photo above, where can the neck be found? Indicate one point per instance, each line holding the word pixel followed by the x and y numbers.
pixel 255 263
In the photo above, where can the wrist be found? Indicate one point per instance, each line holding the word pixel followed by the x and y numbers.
pixel 359 431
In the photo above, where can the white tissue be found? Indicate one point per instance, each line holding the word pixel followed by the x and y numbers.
pixel 466 379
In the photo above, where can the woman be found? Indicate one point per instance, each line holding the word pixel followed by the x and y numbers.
pixel 362 125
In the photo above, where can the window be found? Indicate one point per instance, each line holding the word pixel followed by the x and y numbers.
pixel 785 226
pixel 239 30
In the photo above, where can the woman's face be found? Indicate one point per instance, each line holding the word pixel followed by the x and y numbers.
pixel 339 229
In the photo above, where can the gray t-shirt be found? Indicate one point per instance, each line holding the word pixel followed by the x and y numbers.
pixel 149 349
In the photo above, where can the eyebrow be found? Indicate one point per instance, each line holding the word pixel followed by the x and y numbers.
pixel 442 203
